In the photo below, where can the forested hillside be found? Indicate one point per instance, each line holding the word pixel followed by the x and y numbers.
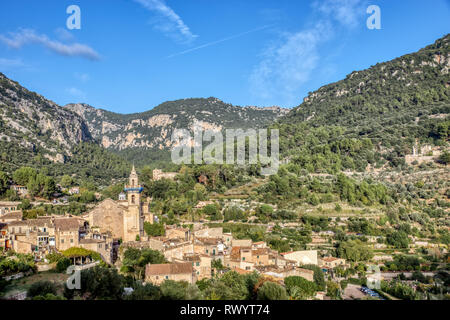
pixel 373 116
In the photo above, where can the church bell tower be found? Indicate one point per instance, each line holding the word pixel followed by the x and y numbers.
pixel 133 224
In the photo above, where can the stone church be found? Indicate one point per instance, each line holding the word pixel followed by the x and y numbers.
pixel 123 219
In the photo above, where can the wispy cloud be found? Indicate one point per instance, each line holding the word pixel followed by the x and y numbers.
pixel 345 12
pixel 24 37
pixel 75 92
pixel 83 77
pixel 64 34
pixel 170 22
pixel 291 62
pixel 219 41
pixel 11 63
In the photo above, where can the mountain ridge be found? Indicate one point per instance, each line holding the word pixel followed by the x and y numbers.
pixel 152 129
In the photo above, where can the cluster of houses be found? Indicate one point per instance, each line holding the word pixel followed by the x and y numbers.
pixel 191 253
pixel 49 234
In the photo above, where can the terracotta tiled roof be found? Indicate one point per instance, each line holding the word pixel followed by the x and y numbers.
pixel 32 223
pixel 306 271
pixel 66 224
pixel 172 268
pixel 329 259
pixel 12 215
pixel 285 253
pixel 260 251
pixel 208 241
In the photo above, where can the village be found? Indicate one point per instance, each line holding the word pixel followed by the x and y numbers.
pixel 117 224
pixel 192 252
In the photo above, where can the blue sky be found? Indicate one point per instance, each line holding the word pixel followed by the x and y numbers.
pixel 131 55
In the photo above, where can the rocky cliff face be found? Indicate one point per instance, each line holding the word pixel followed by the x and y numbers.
pixel 153 129
pixel 33 122
pixel 40 126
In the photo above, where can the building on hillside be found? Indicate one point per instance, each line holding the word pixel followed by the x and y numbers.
pixel 158 175
pixel 67 233
pixel 7 207
pixel 260 256
pixel 331 262
pixel 122 196
pixel 20 190
pixel 173 232
pixel 227 239
pixel 31 236
pixel 302 257
pixel 74 190
pixel 103 245
pixel 201 264
pixel 158 273
pixel 4 239
pixel 259 245
pixel 177 251
pixel 11 216
pixel 241 243
pixel 209 246
pixel 240 257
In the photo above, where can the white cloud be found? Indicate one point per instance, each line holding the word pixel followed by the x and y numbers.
pixel 75 92
pixel 345 12
pixel 170 23
pixel 289 64
pixel 19 39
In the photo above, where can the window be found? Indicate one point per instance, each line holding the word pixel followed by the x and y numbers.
pixel 198 263
pixel 206 250
pixel 62 240
pixel 71 240
pixel 167 277
pixel 243 258
pixel 132 198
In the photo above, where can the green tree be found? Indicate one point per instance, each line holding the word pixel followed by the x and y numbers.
pixel 41 288
pixel 272 291
pixel 23 175
pixel 299 288
pixel 398 239
pixel 354 250
pixel 333 289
